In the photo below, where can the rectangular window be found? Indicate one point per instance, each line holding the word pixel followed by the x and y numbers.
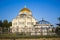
pixel 29 23
pixel 14 23
pixel 21 23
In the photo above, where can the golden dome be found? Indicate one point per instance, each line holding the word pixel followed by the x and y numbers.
pixel 25 9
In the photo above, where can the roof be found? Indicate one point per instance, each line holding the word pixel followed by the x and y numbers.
pixel 43 22
pixel 25 9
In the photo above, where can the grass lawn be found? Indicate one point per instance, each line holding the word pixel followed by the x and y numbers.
pixel 25 36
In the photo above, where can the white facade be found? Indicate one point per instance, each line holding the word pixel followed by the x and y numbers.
pixel 26 23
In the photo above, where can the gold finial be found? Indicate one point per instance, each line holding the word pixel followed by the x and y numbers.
pixel 25 6
pixel 42 18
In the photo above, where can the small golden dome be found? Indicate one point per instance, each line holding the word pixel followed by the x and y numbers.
pixel 25 9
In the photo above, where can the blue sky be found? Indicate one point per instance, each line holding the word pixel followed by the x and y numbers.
pixel 47 9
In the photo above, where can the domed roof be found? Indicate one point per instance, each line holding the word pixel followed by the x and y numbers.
pixel 43 22
pixel 25 9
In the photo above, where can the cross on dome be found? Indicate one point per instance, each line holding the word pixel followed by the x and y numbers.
pixel 24 6
pixel 25 10
pixel 42 18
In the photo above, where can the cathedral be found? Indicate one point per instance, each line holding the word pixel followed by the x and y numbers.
pixel 25 23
